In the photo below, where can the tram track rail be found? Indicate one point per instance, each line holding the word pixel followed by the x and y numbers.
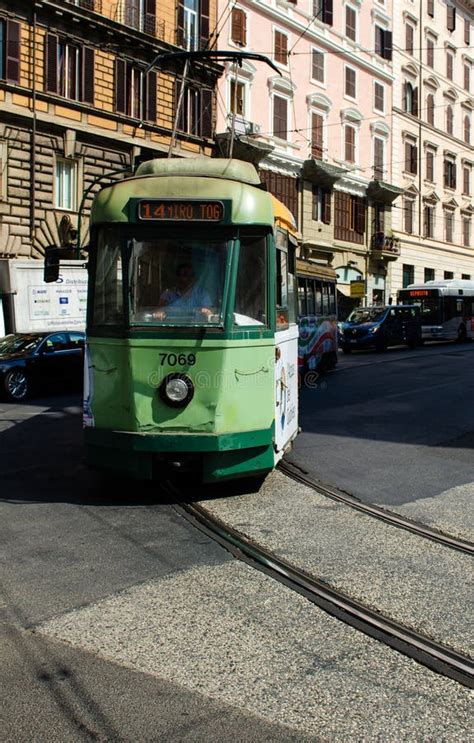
pixel 426 651
pixel 389 517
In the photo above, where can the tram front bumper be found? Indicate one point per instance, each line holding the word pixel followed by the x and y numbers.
pixel 147 455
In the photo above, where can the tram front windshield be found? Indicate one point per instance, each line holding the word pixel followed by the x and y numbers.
pixel 429 302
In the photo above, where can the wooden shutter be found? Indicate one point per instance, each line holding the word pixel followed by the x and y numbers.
pixel 180 23
pixel 359 215
pixel 326 207
pixel 12 56
pixel 120 86
pixel 387 45
pixel 378 158
pixel 414 108
pixel 317 122
pixel 150 17
pixel 280 120
pixel 414 159
pixel 51 63
pixel 87 75
pixel 349 140
pixel 467 31
pixel 281 48
pixel 451 18
pixel 206 113
pixel 238 27
pixel 430 9
pixel 327 14
pixel 204 24
pixel 429 166
pixel 150 102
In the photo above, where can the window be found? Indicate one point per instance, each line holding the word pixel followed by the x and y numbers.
pixel 430 52
pixel 466 276
pixel 466 180
pixel 10 38
pixel 323 11
pixel 321 205
pixel 379 103
pixel 430 8
pixel 349 144
pixel 467 77
pixel 448 225
pixel 251 288
pixel 379 217
pixel 430 109
pixel 139 14
pixel 428 220
pixel 284 187
pixel 408 215
pixel 350 82
pixel 317 122
pixel 409 37
pixel 408 275
pixel 317 70
pixel 135 96
pixel 429 274
pixel 66 184
pixel 351 23
pixel 448 275
pixel 449 119
pixel 280 117
pixel 196 112
pixel 378 158
pixel 3 170
pixel 449 166
pixel 449 65
pixel 410 99
pixel 467 32
pixel 450 18
pixel 349 218
pixel 467 129
pixel 383 42
pixel 237 98
pixel 466 232
pixel 238 31
pixel 281 48
pixel 411 158
pixel 430 156
pixel 69 70
pixel 192 27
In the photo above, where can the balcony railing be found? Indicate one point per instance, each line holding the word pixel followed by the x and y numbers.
pixel 385 244
pixel 95 5
pixel 134 17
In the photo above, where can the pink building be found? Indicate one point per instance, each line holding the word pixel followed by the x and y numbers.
pixel 321 129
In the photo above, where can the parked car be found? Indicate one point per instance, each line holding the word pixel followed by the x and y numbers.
pixel 378 327
pixel 33 361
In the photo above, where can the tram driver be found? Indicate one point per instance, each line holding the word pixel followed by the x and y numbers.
pixel 186 294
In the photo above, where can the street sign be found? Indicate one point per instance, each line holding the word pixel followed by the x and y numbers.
pixel 357 289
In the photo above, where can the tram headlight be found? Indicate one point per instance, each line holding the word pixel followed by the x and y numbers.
pixel 176 390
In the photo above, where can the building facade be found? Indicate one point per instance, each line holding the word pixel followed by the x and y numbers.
pixel 320 126
pixel 433 152
pixel 79 100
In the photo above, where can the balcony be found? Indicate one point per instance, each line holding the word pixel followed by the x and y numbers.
pixel 94 5
pixel 385 246
pixel 134 17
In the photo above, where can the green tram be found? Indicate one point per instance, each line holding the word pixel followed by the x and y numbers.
pixel 191 359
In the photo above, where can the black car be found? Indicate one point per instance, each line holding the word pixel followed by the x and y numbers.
pixel 30 361
pixel 378 327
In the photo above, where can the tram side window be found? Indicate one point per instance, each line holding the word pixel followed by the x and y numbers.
pixel 251 289
pixel 318 290
pixel 108 298
pixel 302 304
pixel 282 318
pixel 310 295
pixel 332 299
pixel 325 293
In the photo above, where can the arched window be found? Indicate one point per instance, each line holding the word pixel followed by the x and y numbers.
pixel 467 130
pixel 410 99
pixel 449 119
pixel 430 109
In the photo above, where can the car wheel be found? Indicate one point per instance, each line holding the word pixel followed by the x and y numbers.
pixel 462 334
pixel 16 385
pixel 347 350
pixel 381 345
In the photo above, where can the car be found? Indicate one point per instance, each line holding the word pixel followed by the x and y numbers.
pixel 379 327
pixel 33 361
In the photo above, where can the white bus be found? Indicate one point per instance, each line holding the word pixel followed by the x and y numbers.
pixel 446 308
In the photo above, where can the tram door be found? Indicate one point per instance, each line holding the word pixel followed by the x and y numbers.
pixel 286 346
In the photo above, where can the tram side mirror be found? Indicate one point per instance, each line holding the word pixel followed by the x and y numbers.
pixel 51 264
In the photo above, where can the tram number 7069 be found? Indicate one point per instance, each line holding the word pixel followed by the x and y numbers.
pixel 180 359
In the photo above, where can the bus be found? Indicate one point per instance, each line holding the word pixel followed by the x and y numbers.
pixel 317 316
pixel 192 339
pixel 446 308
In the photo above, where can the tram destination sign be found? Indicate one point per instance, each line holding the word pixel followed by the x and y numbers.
pixel 177 210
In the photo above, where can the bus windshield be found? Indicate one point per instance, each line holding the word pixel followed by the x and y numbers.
pixel 430 305
pixel 366 314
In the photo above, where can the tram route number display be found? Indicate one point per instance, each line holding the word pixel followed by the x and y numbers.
pixel 178 359
pixel 181 211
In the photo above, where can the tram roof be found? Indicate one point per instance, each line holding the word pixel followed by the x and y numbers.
pixel 202 167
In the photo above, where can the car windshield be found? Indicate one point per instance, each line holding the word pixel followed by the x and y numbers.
pixel 19 343
pixel 366 314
